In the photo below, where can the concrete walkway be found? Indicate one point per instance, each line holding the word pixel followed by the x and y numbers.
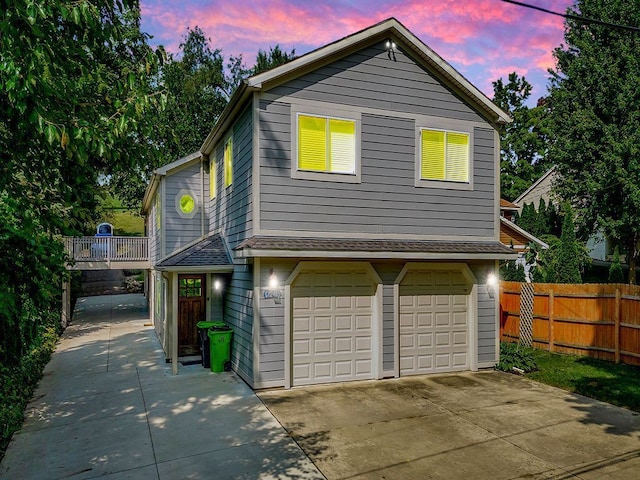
pixel 109 407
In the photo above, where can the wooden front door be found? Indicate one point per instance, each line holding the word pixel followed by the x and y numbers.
pixel 191 310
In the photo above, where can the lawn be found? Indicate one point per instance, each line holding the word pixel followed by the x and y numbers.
pixel 605 381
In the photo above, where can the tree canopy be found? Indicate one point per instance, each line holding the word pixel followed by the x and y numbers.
pixel 76 90
pixel 522 142
pixel 594 122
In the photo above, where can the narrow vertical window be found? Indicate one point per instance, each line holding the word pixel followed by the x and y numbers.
pixel 228 162
pixel 213 179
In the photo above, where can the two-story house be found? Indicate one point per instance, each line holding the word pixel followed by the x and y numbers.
pixel 342 217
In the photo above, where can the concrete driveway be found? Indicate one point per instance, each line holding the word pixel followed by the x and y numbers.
pixel 486 425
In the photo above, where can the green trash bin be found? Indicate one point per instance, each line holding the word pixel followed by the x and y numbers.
pixel 203 340
pixel 220 345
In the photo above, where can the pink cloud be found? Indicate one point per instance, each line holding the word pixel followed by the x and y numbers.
pixel 484 38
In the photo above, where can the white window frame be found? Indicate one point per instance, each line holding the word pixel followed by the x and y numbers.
pixel 447 126
pixel 333 114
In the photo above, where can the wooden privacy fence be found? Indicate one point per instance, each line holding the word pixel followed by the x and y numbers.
pixel 598 320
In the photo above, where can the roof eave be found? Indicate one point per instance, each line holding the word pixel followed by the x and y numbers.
pixel 263 253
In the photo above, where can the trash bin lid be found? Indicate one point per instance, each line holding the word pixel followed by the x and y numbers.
pixel 220 327
pixel 209 324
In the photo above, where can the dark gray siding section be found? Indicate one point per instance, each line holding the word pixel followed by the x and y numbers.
pixel 370 79
pixel 272 323
pixel 386 200
pixel 231 210
pixel 487 333
pixel 180 231
pixel 238 313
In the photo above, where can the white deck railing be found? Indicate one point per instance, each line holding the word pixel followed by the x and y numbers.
pixel 107 249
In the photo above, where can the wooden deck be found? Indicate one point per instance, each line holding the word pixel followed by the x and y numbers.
pixel 107 253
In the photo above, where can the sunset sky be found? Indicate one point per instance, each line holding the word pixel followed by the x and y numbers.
pixel 483 39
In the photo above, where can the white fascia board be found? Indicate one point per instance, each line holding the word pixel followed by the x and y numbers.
pixel 166 169
pixel 149 193
pixel 250 253
pixel 524 233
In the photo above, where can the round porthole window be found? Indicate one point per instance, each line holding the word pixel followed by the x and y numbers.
pixel 186 204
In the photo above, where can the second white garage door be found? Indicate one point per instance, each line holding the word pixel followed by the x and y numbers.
pixel 434 329
pixel 332 330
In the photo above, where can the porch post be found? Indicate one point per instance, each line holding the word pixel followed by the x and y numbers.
pixel 174 323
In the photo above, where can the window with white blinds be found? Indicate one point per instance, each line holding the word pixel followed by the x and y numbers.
pixel 326 145
pixel 444 156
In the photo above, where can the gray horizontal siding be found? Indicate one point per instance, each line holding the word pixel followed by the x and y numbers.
pixel 487 334
pixel 238 313
pixel 386 200
pixel 271 343
pixel 370 79
pixel 388 272
pixel 181 231
pixel 232 209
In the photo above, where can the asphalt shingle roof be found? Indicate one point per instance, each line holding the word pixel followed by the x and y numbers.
pixel 208 252
pixel 364 245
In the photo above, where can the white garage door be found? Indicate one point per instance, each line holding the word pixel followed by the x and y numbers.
pixel 332 327
pixel 434 333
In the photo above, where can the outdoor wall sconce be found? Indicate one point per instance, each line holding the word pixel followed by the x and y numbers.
pixel 217 285
pixel 391 50
pixel 273 290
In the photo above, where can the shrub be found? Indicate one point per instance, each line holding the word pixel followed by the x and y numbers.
pixel 514 355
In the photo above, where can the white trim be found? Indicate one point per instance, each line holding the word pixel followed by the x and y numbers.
pixel 524 233
pixel 378 317
pixel 174 324
pixel 396 325
pixel 178 164
pixel 196 207
pixel 288 361
pixel 255 331
pixel 496 307
pixel 374 236
pixel 254 253
pixel 255 165
pixel 496 184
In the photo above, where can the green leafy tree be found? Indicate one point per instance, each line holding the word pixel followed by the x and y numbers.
pixel 275 57
pixel 76 80
pixel 522 141
pixel 616 275
pixel 593 115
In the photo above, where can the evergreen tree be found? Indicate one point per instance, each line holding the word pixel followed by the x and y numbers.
pixel 593 118
pixel 567 265
pixel 616 274
pixel 527 218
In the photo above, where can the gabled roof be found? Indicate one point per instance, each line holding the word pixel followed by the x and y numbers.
pixel 162 171
pixel 387 29
pixel 507 205
pixel 209 254
pixel 265 246
pixel 508 225
pixel 535 184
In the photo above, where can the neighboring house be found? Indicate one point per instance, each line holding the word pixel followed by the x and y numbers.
pixel 342 217
pixel 515 237
pixel 598 245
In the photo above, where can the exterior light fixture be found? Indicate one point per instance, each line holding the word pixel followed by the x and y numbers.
pixel 217 285
pixel 273 288
pixel 492 284
pixel 391 50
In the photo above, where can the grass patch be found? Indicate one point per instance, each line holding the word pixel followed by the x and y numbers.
pixel 18 383
pixel 605 381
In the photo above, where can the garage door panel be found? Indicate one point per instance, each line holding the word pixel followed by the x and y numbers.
pixel 433 322
pixel 302 325
pixel 341 306
pixel 302 347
